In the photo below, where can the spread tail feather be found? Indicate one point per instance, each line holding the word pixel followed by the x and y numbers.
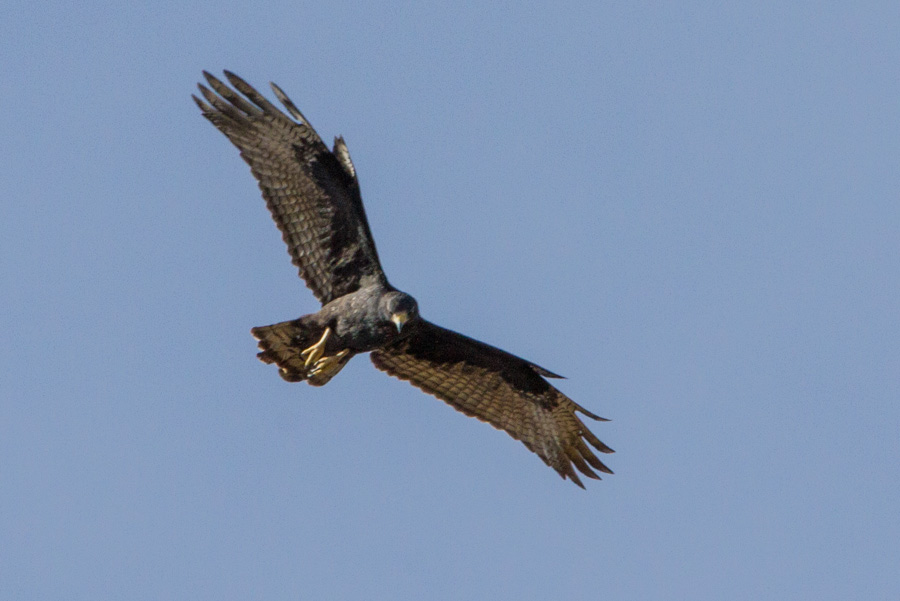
pixel 283 344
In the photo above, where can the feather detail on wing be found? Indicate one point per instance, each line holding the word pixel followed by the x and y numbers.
pixel 312 192
pixel 499 388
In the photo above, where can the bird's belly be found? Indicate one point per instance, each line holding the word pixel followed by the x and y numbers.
pixel 363 338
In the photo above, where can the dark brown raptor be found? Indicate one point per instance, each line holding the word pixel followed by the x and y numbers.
pixel 313 195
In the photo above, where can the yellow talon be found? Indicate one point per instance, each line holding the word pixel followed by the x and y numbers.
pixel 326 368
pixel 315 352
pixel 326 365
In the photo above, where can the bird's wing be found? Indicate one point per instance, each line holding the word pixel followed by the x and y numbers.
pixel 501 389
pixel 312 192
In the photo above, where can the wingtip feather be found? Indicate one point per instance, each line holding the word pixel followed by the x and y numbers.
pixel 288 104
pixel 254 96
pixel 203 106
pixel 595 442
pixel 573 476
pixel 587 413
pixel 582 465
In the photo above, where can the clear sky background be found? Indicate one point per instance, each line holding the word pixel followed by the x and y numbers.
pixel 692 210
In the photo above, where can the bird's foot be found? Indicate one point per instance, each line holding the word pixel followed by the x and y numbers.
pixel 312 354
pixel 326 368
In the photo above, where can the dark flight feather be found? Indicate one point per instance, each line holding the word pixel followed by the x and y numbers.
pixel 314 197
pixel 312 194
pixel 499 388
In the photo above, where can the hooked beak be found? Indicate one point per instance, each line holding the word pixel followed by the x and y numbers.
pixel 399 319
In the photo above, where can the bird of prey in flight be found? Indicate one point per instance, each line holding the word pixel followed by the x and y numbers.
pixel 314 197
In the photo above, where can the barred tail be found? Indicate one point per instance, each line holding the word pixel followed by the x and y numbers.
pixel 281 344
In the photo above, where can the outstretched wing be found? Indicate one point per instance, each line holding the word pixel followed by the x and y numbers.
pixel 312 192
pixel 501 389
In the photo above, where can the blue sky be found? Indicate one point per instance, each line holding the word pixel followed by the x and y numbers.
pixel 690 210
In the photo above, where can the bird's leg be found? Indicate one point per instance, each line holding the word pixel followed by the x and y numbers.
pixel 326 368
pixel 312 354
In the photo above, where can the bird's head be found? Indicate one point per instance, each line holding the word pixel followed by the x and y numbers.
pixel 400 308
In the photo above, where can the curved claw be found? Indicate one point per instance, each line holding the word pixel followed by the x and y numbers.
pixel 326 368
pixel 313 354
